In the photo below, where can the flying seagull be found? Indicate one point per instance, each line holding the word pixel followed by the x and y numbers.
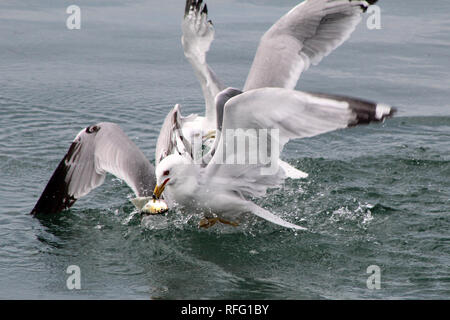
pixel 268 103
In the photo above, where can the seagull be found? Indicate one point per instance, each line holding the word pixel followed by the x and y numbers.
pixel 222 191
pixel 197 131
pixel 268 109
pixel 104 148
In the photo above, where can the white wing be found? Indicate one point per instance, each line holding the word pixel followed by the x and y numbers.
pixel 198 34
pixel 171 139
pixel 96 150
pixel 293 114
pixel 166 143
pixel 304 36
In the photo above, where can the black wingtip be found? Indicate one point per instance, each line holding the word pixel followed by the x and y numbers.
pixel 55 197
pixel 187 7
pixel 370 2
pixel 365 111
pixel 197 5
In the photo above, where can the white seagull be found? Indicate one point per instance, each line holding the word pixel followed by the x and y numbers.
pixel 216 186
pixel 305 35
pixel 104 148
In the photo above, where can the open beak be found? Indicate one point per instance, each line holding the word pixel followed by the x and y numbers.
pixel 159 189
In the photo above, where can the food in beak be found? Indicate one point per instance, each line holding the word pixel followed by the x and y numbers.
pixel 155 206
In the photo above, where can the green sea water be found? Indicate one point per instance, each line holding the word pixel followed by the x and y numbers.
pixel 375 195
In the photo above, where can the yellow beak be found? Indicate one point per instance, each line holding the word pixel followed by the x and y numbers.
pixel 210 135
pixel 159 189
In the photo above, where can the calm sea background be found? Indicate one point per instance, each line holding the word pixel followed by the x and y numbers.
pixel 376 195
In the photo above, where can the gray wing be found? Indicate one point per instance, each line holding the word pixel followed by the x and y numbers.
pixel 96 150
pixel 198 34
pixel 166 143
pixel 171 138
pixel 220 101
pixel 304 36
pixel 271 117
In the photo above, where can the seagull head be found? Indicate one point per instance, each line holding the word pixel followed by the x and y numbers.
pixel 171 171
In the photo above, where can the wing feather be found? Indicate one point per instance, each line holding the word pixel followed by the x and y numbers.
pixel 96 150
pixel 304 36
pixel 198 34
pixel 283 114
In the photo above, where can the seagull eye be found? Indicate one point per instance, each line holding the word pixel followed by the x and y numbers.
pixel 166 173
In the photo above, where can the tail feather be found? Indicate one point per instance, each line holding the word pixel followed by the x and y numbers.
pixel 291 172
pixel 266 215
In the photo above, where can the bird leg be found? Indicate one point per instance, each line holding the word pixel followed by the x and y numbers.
pixel 231 223
pixel 209 222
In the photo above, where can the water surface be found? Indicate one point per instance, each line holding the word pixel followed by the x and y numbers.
pixel 376 195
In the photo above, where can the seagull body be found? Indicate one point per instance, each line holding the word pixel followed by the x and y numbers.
pixel 191 152
pixel 222 191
